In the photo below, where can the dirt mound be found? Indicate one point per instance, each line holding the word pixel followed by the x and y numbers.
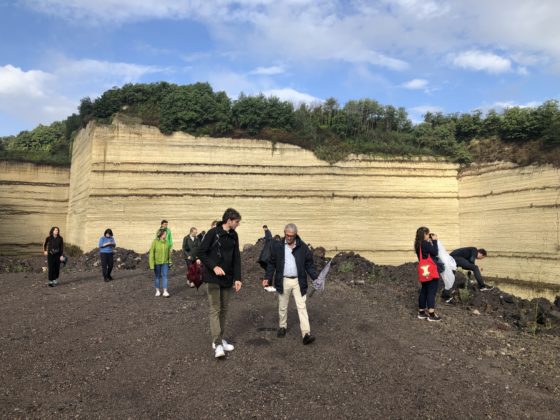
pixel 349 268
pixel 124 259
pixel 536 315
pixel 25 264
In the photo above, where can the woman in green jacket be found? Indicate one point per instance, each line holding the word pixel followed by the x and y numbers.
pixel 160 259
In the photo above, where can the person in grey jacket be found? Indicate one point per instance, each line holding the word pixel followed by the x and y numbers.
pixel 466 257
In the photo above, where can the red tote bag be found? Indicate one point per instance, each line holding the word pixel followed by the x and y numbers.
pixel 427 268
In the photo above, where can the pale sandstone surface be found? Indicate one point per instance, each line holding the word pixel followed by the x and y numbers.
pixel 33 198
pixel 129 177
pixel 139 176
pixel 515 214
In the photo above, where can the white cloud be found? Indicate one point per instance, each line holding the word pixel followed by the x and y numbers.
pixel 235 83
pixel 292 95
pixel 356 32
pixel 15 81
pixel 268 71
pixel 124 72
pixel 417 113
pixel 481 61
pixel 29 96
pixel 423 109
pixel 423 9
pixel 501 105
pixel 415 84
pixel 40 97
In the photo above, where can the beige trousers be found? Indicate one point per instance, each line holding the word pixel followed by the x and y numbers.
pixel 292 286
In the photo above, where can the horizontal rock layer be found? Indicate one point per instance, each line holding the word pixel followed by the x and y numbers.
pixel 129 177
pixel 33 198
pixel 515 214
pixel 139 176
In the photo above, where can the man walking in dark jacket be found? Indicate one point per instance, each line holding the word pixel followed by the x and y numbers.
pixel 290 263
pixel 219 252
pixel 465 258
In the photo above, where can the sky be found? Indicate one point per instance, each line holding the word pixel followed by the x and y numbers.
pixel 424 55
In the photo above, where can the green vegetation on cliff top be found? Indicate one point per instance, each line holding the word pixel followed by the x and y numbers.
pixel 331 131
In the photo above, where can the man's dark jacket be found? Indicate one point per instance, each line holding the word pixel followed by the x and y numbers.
pixel 221 248
pixel 469 253
pixel 304 264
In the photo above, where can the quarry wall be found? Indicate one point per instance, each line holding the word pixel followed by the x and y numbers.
pixel 133 177
pixel 33 198
pixel 515 214
pixel 129 177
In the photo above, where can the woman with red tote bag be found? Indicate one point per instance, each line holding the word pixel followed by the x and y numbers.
pixel 426 249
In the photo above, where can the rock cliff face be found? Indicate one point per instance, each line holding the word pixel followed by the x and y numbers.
pixel 515 214
pixel 139 176
pixel 130 177
pixel 33 198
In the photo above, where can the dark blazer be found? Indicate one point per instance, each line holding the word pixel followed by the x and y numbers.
pixel 469 253
pixel 304 264
pixel 220 248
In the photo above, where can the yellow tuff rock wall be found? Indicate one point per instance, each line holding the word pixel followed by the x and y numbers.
pixel 33 198
pixel 139 176
pixel 515 214
pixel 129 177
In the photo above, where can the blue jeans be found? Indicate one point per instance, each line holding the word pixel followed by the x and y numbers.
pixel 161 271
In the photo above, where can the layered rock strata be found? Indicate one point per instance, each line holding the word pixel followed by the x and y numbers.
pixel 134 176
pixel 129 177
pixel 33 198
pixel 515 214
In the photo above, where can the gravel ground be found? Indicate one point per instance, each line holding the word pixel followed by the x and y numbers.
pixel 112 350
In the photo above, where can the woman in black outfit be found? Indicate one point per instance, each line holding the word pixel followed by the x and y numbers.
pixel 426 244
pixel 53 248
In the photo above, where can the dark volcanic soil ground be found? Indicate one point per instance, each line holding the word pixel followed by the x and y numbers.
pixel 112 350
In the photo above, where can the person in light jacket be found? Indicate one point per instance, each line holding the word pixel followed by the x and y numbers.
pixel 160 260
pixel 107 246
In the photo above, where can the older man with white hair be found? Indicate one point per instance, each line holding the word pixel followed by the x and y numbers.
pixel 290 263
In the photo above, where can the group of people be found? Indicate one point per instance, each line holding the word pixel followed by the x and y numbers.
pixel 288 264
pixel 434 263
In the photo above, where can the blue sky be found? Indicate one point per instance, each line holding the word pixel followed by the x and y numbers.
pixel 449 56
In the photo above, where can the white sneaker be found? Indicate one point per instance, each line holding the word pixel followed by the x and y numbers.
pixel 225 345
pixel 219 353
pixel 270 289
pixel 158 293
pixel 165 293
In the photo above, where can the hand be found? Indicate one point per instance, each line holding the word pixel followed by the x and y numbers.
pixel 265 283
pixel 62 258
pixel 198 262
pixel 218 271
pixel 189 258
pixel 237 285
pixel 45 253
pixel 433 236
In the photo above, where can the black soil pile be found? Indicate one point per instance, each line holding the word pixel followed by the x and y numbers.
pixel 536 315
pixel 123 259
